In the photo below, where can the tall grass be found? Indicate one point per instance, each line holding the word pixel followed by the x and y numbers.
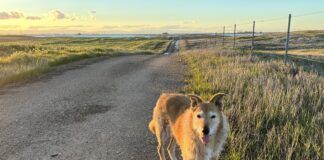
pixel 26 58
pixel 276 111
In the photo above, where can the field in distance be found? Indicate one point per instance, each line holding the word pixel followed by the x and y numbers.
pixel 23 57
pixel 302 43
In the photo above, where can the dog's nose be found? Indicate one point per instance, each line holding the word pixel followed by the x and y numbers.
pixel 206 130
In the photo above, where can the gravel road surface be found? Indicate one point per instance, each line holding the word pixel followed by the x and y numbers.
pixel 90 111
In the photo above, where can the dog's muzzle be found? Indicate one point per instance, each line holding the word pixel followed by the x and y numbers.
pixel 205 130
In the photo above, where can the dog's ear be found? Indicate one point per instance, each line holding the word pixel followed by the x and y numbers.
pixel 194 100
pixel 217 99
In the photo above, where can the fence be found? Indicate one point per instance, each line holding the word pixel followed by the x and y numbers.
pixel 303 45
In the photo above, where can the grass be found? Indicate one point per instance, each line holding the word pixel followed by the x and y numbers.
pixel 23 57
pixel 315 54
pixel 276 110
pixel 302 43
pixel 306 47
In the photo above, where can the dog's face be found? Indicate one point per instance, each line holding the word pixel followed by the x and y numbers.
pixel 206 116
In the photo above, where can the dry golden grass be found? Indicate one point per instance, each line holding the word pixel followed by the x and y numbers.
pixel 24 57
pixel 308 44
pixel 316 54
pixel 277 110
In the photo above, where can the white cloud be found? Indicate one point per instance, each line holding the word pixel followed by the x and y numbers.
pixel 11 15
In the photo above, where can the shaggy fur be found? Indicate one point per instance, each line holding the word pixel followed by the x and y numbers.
pixel 199 128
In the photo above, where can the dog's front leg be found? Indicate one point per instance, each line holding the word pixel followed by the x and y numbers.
pixel 161 137
pixel 161 152
pixel 171 149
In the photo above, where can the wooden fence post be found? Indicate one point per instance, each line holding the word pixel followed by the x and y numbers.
pixel 234 36
pixel 223 35
pixel 287 40
pixel 253 31
pixel 215 39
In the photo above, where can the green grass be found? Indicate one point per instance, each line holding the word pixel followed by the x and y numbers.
pixel 274 112
pixel 23 57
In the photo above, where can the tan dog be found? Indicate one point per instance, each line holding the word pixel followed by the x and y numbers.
pixel 199 128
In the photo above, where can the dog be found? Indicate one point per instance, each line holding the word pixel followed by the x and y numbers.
pixel 200 128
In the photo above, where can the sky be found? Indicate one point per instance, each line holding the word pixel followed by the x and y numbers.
pixel 155 16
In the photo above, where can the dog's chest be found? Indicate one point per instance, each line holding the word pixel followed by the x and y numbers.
pixel 209 153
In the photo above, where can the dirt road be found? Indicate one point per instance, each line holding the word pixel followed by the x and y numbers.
pixel 94 111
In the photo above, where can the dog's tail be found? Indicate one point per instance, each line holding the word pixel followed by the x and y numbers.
pixel 152 126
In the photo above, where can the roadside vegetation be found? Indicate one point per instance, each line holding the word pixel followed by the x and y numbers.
pixel 275 110
pixel 23 57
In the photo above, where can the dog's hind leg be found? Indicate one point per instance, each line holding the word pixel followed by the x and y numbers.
pixel 171 149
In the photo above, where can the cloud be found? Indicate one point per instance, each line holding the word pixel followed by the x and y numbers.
pixel 11 15
pixel 59 15
pixel 33 18
pixel 9 26
pixel 92 12
pixel 57 27
pixel 92 17
pixel 17 15
pixel 125 26
pixel 148 28
pixel 189 22
pixel 51 15
pixel 171 27
pixel 56 15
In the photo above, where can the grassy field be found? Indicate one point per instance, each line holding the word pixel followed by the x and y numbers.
pixel 276 110
pixel 23 57
pixel 309 44
pixel 306 47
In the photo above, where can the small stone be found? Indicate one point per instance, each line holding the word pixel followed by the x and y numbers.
pixel 54 155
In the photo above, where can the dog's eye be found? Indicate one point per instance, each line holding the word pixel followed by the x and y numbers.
pixel 198 116
pixel 213 116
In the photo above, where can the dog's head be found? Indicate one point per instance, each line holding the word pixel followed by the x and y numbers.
pixel 206 116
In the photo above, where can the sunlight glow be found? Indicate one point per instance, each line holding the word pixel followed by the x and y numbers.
pixel 144 16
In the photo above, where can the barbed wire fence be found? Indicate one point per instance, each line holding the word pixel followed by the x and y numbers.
pixel 288 38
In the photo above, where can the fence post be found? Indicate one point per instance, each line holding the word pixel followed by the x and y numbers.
pixel 287 40
pixel 223 35
pixel 215 39
pixel 253 31
pixel 211 40
pixel 206 43
pixel 234 36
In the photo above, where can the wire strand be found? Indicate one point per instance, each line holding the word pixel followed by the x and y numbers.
pixel 273 19
pixel 309 14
